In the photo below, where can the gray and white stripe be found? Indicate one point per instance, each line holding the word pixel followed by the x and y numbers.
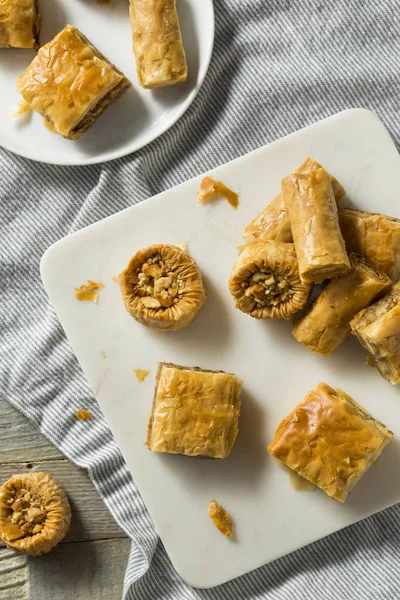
pixel 277 66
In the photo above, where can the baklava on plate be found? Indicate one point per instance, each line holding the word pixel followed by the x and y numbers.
pixel 19 23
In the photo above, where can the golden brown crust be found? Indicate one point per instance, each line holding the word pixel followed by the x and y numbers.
pixel 273 222
pixel 71 83
pixel 329 440
pixel 157 43
pixel 374 236
pixel 195 412
pixel 312 209
pixel 34 513
pixel 220 518
pixel 19 23
pixel 210 189
pixel 378 330
pixel 162 287
pixel 326 323
pixel 265 281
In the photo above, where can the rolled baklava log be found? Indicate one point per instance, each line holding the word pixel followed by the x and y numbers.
pixel 374 236
pixel 378 329
pixel 319 244
pixel 326 323
pixel 157 43
pixel 265 281
pixel 162 287
pixel 273 222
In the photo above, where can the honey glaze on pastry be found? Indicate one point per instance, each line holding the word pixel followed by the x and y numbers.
pixel 162 287
pixel 195 411
pixel 19 23
pixel 265 281
pixel 71 83
pixel 330 440
pixel 34 513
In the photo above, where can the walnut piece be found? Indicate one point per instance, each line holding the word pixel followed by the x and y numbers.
pixel 83 414
pixel 141 374
pixel 88 292
pixel 210 189
pixel 34 513
pixel 220 518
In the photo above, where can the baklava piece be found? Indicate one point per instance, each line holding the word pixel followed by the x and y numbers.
pixel 71 83
pixel 195 412
pixel 19 23
pixel 34 513
pixel 311 205
pixel 162 287
pixel 265 281
pixel 220 518
pixel 326 323
pixel 374 236
pixel 378 329
pixel 273 222
pixel 157 43
pixel 330 440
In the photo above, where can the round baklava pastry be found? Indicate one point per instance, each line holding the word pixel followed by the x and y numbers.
pixel 34 513
pixel 162 287
pixel 265 281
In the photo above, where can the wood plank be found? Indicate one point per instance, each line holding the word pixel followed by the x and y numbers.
pixel 20 440
pixel 14 575
pixel 85 570
pixel 91 519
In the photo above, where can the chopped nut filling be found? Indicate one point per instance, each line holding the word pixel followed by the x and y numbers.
pixel 157 285
pixel 28 513
pixel 268 289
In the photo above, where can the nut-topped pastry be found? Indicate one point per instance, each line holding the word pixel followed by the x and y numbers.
pixel 162 287
pixel 34 513
pixel 265 281
pixel 330 440
pixel 19 23
pixel 195 411
pixel 71 83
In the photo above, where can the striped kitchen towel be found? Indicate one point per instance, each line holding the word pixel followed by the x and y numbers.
pixel 278 65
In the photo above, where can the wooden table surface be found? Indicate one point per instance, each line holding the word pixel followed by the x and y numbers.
pixel 90 562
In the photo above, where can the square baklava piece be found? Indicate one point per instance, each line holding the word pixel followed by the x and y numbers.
pixel 71 83
pixel 329 440
pixel 19 23
pixel 195 412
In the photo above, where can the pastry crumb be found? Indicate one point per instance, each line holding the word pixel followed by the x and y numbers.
pixel 370 362
pixel 103 354
pixel 114 278
pixel 83 414
pixel 220 518
pixel 141 374
pixel 88 292
pixel 210 189
pixel 21 109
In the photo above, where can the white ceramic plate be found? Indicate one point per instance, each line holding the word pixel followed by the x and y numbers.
pixel 139 116
pixel 271 518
